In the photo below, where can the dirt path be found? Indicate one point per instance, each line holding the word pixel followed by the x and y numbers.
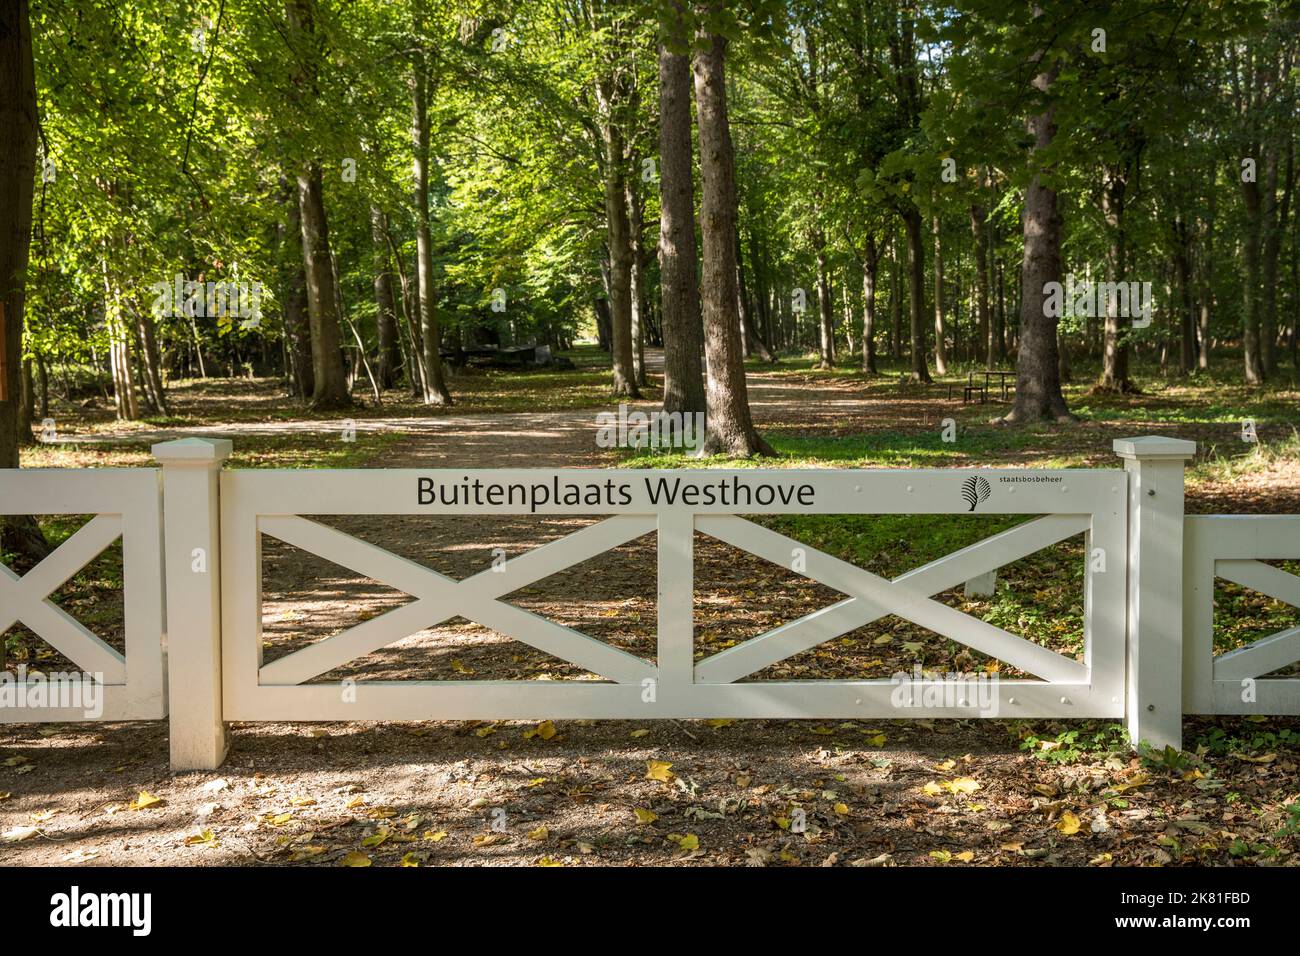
pixel 577 792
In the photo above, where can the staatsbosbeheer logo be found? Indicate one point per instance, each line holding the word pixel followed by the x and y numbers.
pixel 975 490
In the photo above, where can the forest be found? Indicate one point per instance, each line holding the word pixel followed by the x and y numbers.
pixel 357 198
pixel 311 248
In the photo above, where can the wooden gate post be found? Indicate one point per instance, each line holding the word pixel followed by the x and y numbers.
pixel 1154 694
pixel 192 543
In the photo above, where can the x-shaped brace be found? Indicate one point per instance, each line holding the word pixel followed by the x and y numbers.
pixel 440 598
pixel 26 598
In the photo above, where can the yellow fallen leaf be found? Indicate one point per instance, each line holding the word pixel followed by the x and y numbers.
pixel 541 833
pixel 376 839
pixel 357 801
pixel 410 859
pixel 549 861
pixel 721 722
pixel 946 765
pixel 961 785
pixel 199 838
pixel 965 856
pixel 460 668
pixel 536 782
pixel 1068 824
pixel 545 730
pixel 645 816
pixel 144 800
pixel 40 816
pixel 16 834
pixel 639 733
pixel 434 836
pixel 658 770
pixel 306 852
pixel 932 788
pixel 841 808
pixel 689 842
pixel 355 858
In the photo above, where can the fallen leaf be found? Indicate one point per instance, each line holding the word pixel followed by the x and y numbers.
pixel 1068 824
pixel 658 770
pixel 355 858
pixel 145 800
pixel 645 816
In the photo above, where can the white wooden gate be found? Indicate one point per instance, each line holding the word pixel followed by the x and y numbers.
pixel 1148 591
pixel 125 504
pixel 1231 547
pixel 256 503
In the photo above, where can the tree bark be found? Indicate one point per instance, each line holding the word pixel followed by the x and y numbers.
pixel 330 384
pixel 984 324
pixel 916 293
pixel 435 382
pixel 618 240
pixel 870 261
pixel 385 302
pixel 825 308
pixel 636 227
pixel 940 330
pixel 730 425
pixel 1038 384
pixel 297 323
pixel 1114 367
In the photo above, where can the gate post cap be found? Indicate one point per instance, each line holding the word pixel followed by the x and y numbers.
pixel 198 451
pixel 1155 448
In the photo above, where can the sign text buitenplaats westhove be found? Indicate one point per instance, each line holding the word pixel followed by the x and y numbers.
pixel 730 491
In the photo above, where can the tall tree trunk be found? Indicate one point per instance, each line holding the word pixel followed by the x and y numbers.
pixel 752 342
pixel 385 302
pixel 330 384
pixel 869 263
pixel 1114 361
pixel 678 284
pixel 435 382
pixel 293 279
pixel 151 360
pixel 825 308
pixel 895 300
pixel 618 240
pixel 984 324
pixel 730 425
pixel 636 225
pixel 916 292
pixel 1038 384
pixel 940 331
pixel 18 533
pixel 1187 312
pixel 1275 221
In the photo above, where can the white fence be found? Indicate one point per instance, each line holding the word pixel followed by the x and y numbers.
pixel 1139 634
pixel 124 504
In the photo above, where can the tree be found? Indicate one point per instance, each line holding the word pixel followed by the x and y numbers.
pixel 1038 383
pixel 683 327
pixel 17 178
pixel 730 425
